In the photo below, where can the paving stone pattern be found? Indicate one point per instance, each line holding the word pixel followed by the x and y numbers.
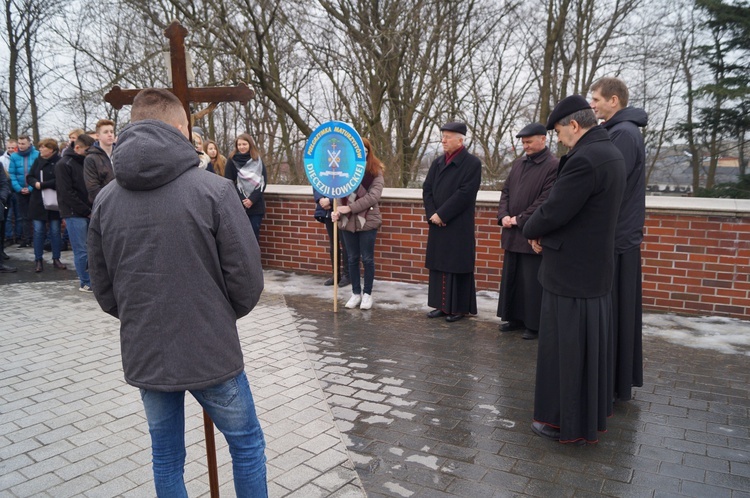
pixel 374 403
pixel 431 409
pixel 70 426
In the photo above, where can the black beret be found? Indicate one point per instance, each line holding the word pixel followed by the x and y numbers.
pixel 532 130
pixel 454 127
pixel 566 107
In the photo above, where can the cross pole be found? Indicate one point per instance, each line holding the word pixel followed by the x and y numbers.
pixel 176 34
pixel 118 98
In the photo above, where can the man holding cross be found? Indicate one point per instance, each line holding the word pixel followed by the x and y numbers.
pixel 178 331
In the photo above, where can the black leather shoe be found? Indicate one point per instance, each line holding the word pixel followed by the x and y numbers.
pixel 6 269
pixel 454 318
pixel 39 266
pixel 545 431
pixel 23 244
pixel 329 281
pixel 530 335
pixel 511 326
pixel 345 280
pixel 5 256
pixel 435 314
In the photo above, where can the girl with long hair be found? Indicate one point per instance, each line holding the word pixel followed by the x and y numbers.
pixel 246 169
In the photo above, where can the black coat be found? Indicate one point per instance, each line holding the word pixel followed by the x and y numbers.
pixel 5 190
pixel 36 204
pixel 624 133
pixel 450 190
pixel 527 186
pixel 577 221
pixel 97 170
pixel 72 196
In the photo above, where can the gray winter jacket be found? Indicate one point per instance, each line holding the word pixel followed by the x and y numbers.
pixel 173 256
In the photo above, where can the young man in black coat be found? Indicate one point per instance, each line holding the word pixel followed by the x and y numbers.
pixel 575 230
pixel 609 99
pixel 527 186
pixel 450 193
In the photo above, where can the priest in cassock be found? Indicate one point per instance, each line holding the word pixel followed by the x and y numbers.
pixel 450 193
pixel 526 188
pixel 575 230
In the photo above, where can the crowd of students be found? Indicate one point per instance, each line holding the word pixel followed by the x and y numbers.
pixel 47 191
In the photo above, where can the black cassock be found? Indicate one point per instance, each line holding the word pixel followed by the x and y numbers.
pixel 576 225
pixel 627 303
pixel 450 190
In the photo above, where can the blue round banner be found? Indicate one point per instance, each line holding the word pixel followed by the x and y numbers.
pixel 335 159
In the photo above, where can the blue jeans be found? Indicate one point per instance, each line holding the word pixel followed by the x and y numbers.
pixel 40 233
pixel 361 245
pixel 77 231
pixel 230 405
pixel 13 227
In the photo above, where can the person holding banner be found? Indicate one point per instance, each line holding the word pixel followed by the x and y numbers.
pixel 359 218
pixel 450 193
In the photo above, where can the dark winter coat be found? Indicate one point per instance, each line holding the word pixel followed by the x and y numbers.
pixel 5 190
pixel 72 196
pixel 173 256
pixel 527 186
pixel 577 221
pixel 450 190
pixel 256 196
pixel 321 214
pixel 97 170
pixel 36 204
pixel 624 133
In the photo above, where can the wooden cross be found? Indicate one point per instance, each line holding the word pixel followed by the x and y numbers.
pixel 118 97
pixel 176 33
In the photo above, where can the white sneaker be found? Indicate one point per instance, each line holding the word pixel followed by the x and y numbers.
pixel 353 301
pixel 366 302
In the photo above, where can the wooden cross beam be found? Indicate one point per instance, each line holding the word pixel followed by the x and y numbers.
pixel 176 33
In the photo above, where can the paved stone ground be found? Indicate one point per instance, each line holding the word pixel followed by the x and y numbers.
pixel 378 403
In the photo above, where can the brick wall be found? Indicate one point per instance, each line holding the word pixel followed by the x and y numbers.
pixel 696 252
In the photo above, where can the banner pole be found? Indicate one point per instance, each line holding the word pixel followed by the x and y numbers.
pixel 335 262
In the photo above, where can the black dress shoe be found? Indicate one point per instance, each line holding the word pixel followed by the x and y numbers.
pixel 545 431
pixel 23 244
pixel 511 326
pixel 5 256
pixel 329 281
pixel 39 267
pixel 6 269
pixel 435 314
pixel 454 318
pixel 530 335
pixel 345 280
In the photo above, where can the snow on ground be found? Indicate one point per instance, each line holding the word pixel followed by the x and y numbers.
pixel 726 335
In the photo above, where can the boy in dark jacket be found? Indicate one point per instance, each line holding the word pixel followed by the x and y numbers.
pixel 172 254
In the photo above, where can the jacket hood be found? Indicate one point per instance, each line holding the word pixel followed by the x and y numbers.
pixel 637 116
pixel 150 154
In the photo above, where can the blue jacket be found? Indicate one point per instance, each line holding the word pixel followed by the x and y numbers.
pixel 16 170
